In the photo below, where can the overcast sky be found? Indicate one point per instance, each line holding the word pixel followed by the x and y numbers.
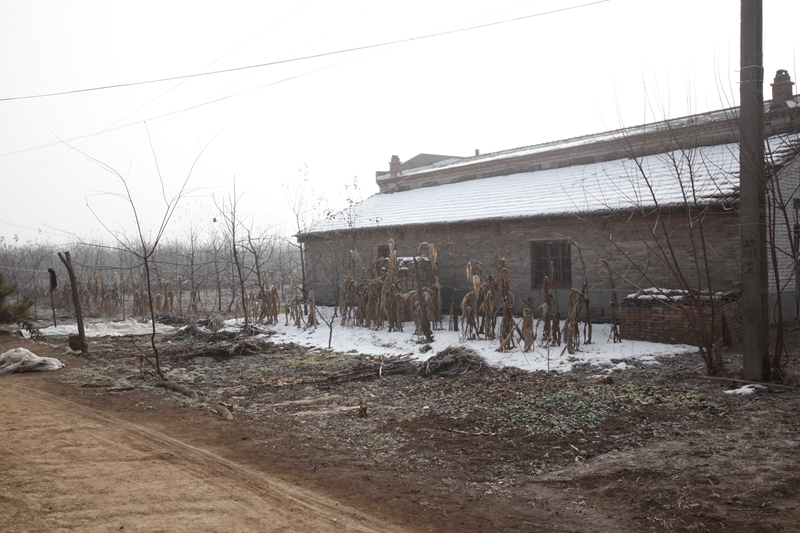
pixel 332 119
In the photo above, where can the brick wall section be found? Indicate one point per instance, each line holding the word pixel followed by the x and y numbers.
pixel 623 240
pixel 656 320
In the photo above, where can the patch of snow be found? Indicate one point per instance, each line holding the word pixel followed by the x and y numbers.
pixel 369 342
pixel 617 367
pixel 107 329
pixel 649 360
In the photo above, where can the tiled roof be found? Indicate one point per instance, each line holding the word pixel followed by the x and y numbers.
pixel 611 185
pixel 710 117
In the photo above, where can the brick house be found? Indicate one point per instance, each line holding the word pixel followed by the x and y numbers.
pixel 559 208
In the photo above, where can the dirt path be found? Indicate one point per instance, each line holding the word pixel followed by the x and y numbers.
pixel 66 467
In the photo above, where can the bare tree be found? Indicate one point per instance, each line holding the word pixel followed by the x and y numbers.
pixel 228 211
pixel 144 245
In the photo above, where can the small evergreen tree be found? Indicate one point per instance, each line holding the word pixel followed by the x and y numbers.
pixel 12 312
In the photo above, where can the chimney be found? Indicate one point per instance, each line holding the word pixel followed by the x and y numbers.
pixel 781 90
pixel 394 166
pixel 477 152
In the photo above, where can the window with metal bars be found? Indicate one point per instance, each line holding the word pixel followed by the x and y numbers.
pixel 551 259
pixel 383 250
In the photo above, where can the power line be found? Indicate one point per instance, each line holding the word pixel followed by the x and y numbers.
pixel 304 58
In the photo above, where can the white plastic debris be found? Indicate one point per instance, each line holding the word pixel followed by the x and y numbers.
pixel 747 389
pixel 23 360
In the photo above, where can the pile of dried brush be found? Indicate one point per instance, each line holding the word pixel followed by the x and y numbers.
pixel 372 368
pixel 454 361
pixel 192 342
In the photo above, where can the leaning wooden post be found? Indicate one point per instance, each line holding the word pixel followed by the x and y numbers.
pixel 53 287
pixel 65 258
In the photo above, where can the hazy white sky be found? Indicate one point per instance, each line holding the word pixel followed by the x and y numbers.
pixel 335 118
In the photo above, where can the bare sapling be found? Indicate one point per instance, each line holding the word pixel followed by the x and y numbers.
pixel 145 246
pixel 587 323
pixel 228 212
pixel 453 324
pixel 613 305
pixel 783 230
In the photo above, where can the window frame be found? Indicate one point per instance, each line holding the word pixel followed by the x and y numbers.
pixel 563 257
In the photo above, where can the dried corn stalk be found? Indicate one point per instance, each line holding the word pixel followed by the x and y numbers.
pixel 545 310
pixel 528 325
pixel 194 303
pixel 348 300
pixel 469 326
pixel 571 332
pixel 507 323
pixel 294 307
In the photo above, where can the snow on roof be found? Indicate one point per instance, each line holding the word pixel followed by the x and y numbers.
pixel 611 185
pixel 624 133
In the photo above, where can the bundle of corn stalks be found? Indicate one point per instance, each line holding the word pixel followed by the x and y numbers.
pixel 311 307
pixel 479 315
pixel 550 318
pixel 572 331
pixel 348 300
pixel 141 305
pixel 270 307
pixel 194 303
pixel 507 324
pixel 294 306
pixel 528 325
pixel 432 296
pixel 469 315
pixel 433 293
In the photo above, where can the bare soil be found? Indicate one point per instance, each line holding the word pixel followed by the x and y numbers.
pixel 378 445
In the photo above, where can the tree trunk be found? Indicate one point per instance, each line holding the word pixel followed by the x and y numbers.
pixel 65 258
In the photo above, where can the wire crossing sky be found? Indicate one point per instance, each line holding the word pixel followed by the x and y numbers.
pixel 318 96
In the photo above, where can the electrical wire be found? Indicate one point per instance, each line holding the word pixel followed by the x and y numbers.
pixel 302 58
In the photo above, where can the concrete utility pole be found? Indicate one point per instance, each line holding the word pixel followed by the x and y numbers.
pixel 752 197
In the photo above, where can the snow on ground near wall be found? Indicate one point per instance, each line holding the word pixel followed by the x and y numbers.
pixel 602 353
pixel 365 341
pixel 107 329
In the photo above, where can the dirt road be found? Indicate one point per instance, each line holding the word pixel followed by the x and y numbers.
pixel 67 467
pixel 98 447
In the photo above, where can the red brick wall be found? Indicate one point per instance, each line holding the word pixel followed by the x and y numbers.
pixel 669 322
pixel 625 242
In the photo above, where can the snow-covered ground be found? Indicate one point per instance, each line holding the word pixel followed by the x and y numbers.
pixel 607 356
pixel 107 329
pixel 601 352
